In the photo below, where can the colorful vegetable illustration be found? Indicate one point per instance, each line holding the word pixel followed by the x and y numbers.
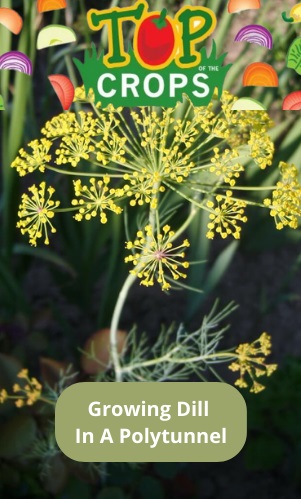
pixel 260 74
pixel 155 40
pixel 63 88
pixel 292 102
pixel 16 61
pixel 295 14
pixel 248 104
pixel 11 20
pixel 235 6
pixel 46 5
pixel 55 34
pixel 257 34
pixel 293 59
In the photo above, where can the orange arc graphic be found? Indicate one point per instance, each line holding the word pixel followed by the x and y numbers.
pixel 11 20
pixel 239 5
pixel 260 74
pixel 46 5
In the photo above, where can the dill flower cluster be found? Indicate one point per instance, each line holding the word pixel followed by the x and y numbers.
pixel 156 257
pixel 36 211
pixel 118 157
pixel 94 200
pixel 285 204
pixel 27 392
pixel 251 362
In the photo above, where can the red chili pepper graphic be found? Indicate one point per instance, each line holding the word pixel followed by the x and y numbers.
pixel 155 40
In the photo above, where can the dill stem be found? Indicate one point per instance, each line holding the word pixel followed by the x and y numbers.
pixel 121 301
pixel 226 356
pixel 115 322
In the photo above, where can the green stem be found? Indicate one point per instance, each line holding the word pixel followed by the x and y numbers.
pixel 80 174
pixel 234 187
pixel 114 325
pixel 46 401
pixel 226 356
pixel 120 304
pixel 193 211
pixel 161 21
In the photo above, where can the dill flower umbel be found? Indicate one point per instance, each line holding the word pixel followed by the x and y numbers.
pixel 251 361
pixel 190 153
pixel 225 165
pixel 37 160
pixel 36 212
pixel 26 393
pixel 155 258
pixel 224 217
pixel 74 148
pixel 94 200
pixel 285 204
pixel 262 149
pixel 30 392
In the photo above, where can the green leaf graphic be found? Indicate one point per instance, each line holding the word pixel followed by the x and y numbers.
pixel 294 56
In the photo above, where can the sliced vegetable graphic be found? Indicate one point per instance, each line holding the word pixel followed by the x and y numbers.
pixel 260 74
pixel 63 88
pixel 155 40
pixel 1 103
pixel 292 102
pixel 248 104
pixel 255 33
pixel 11 20
pixel 16 61
pixel 235 6
pixel 46 5
pixel 56 34
pixel 295 15
pixel 293 58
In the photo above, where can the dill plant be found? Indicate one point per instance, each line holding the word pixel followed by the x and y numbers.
pixel 118 159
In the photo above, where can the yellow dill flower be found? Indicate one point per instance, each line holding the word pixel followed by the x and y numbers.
pixel 285 205
pixel 19 403
pixel 81 96
pixel 3 396
pixel 262 149
pixel 69 123
pixel 23 374
pixel 73 148
pixel 35 213
pixel 251 361
pixel 60 126
pixel 150 152
pixel 176 165
pixel 111 150
pixel 142 188
pixel 157 258
pixel 185 132
pixel 95 199
pixel 86 124
pixel 203 116
pixel 225 166
pixel 224 217
pixel 39 157
pixel 30 392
